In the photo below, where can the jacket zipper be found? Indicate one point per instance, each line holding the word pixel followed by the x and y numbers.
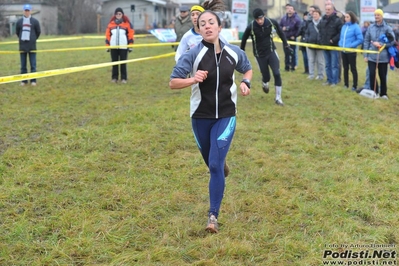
pixel 217 80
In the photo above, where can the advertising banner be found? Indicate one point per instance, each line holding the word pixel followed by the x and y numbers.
pixel 239 15
pixel 367 8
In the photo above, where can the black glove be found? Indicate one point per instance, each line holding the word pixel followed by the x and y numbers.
pixel 130 50
pixel 289 49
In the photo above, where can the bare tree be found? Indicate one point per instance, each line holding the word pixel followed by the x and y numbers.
pixel 3 22
pixel 75 16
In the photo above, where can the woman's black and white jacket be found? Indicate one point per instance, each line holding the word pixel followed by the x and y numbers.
pixel 216 96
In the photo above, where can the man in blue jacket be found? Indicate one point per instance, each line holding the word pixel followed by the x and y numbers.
pixel 291 26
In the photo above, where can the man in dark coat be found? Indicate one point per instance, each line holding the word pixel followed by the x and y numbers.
pixel 28 31
pixel 329 33
pixel 291 26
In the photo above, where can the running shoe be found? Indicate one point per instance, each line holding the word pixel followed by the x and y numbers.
pixel 212 226
pixel 265 87
pixel 279 102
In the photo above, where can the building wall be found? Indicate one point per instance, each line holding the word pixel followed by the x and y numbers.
pixel 45 14
pixel 48 18
pixel 146 14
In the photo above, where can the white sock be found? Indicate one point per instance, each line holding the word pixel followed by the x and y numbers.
pixel 278 92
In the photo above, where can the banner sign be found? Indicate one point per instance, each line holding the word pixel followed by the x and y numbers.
pixel 164 35
pixel 367 8
pixel 239 13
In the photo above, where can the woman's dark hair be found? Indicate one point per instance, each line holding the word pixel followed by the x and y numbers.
pixel 211 12
pixel 353 16
pixel 318 10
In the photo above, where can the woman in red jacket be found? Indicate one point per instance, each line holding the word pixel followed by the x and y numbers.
pixel 119 32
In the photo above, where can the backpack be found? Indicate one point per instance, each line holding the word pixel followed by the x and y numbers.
pixel 397 54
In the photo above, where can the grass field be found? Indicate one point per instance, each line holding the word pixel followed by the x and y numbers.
pixel 94 173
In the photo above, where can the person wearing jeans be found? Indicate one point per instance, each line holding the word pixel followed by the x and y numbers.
pixel 329 32
pixel 291 26
pixel 28 31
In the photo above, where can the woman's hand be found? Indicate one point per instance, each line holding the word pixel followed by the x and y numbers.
pixel 200 76
pixel 244 89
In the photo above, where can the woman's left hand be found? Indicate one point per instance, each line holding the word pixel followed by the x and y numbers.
pixel 244 89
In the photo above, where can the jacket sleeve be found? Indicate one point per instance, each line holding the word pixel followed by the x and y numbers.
pixel 245 37
pixel 108 36
pixel 298 25
pixel 37 29
pixel 130 34
pixel 18 28
pixel 359 37
pixel 280 33
pixel 341 37
pixel 366 41
pixel 335 38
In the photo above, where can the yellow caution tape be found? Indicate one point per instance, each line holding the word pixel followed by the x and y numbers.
pixel 324 47
pixel 104 47
pixel 62 71
pixel 77 38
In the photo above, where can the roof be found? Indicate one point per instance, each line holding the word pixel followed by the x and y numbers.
pixel 159 2
pixel 18 13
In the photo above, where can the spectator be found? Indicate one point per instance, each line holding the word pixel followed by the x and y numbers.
pixel 291 26
pixel 315 56
pixel 119 33
pixel 329 31
pixel 213 100
pixel 182 23
pixel 366 25
pixel 192 37
pixel 351 37
pixel 28 31
pixel 264 49
pixel 378 62
pixel 304 24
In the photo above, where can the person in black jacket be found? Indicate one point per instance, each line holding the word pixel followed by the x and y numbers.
pixel 28 31
pixel 304 25
pixel 261 32
pixel 329 32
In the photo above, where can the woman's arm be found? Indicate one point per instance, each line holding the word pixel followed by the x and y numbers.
pixel 181 83
pixel 245 90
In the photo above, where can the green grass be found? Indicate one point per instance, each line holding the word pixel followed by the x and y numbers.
pixel 94 173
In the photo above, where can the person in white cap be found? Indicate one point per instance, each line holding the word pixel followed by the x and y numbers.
pixel 28 31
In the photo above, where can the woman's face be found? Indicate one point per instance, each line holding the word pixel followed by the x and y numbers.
pixel 316 15
pixel 347 18
pixel 194 17
pixel 118 15
pixel 209 27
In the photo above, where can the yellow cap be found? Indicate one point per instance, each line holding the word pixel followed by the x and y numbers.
pixel 379 12
pixel 197 8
